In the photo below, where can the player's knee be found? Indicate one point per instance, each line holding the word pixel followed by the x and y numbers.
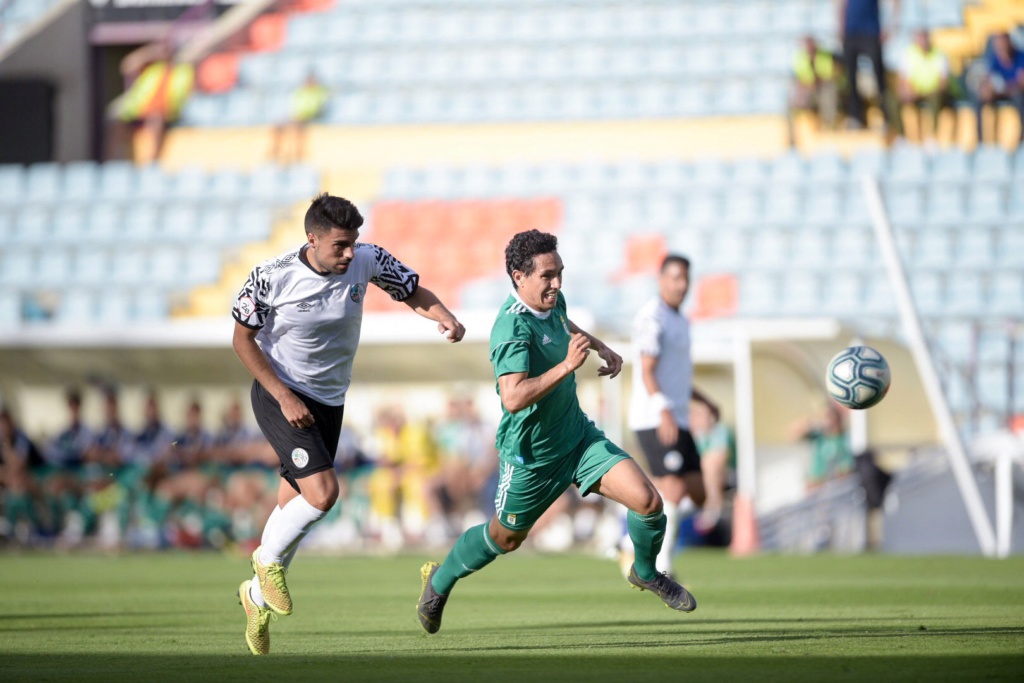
pixel 650 503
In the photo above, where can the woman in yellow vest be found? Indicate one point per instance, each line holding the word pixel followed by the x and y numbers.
pixel 308 103
pixel 923 83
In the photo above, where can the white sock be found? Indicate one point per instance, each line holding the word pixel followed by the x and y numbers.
pixel 255 592
pixel 286 527
pixel 663 563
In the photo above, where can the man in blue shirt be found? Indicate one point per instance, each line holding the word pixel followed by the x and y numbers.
pixel 860 29
pixel 1003 81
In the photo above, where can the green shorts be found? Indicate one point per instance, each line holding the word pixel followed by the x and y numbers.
pixel 524 495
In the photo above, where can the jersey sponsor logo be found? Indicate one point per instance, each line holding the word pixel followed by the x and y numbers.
pixel 546 340
pixel 510 518
pixel 564 325
pixel 246 306
pixel 356 293
pixel 305 307
pixel 300 457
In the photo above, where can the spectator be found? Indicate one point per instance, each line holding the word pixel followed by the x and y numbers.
pixel 831 457
pixel 63 485
pixel 924 82
pixel 815 85
pixel 860 30
pixel 308 103
pixel 1003 82
pixel 717 460
pixel 157 86
pixel 468 460
pixel 19 458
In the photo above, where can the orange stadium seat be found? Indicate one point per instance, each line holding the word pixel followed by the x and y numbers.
pixel 716 296
pixel 644 254
pixel 218 72
pixel 268 32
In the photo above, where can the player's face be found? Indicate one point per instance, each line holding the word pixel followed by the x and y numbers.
pixel 333 251
pixel 674 283
pixel 539 289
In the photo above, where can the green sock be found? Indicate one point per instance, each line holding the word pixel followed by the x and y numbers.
pixel 647 532
pixel 474 550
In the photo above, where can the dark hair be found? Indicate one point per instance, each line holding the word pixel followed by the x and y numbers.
pixel 523 247
pixel 74 397
pixel 327 212
pixel 674 258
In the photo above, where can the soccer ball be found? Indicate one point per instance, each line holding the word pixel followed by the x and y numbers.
pixel 858 377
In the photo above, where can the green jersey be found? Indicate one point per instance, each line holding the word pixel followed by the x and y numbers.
pixel 523 340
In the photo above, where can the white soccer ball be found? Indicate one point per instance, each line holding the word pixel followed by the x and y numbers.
pixel 858 377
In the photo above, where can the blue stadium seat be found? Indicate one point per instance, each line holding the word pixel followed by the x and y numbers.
pixel 117 180
pixel 783 207
pixel 870 161
pixel 974 247
pixel 91 266
pixel 6 226
pixel 946 206
pixel 823 207
pixel 702 209
pixel 189 184
pixel 788 168
pixel 928 292
pixel 991 164
pixel 810 249
pixel 254 223
pixel 180 223
pixel 483 294
pixel 10 309
pixel 202 265
pixel 710 172
pixel 1006 293
pixel 152 183
pixel 728 249
pixel 759 294
pixel 825 167
pixel 987 203
pixel 53 269
pixel 206 111
pixel 77 306
pixel 671 175
pixel 853 248
pixel 32 225
pixel 114 307
pixel 17 266
pixel 129 267
pixel 80 181
pixel 165 266
pixel 769 248
pixel 907 164
pixel 68 224
pixel 218 226
pixel 965 295
pixel 751 172
pixel 43 182
pixel 141 224
pixel 844 295
pixel 149 304
pixel 994 344
pixel 951 167
pixel 305 32
pixel 227 185
pixel 904 204
pixel 801 293
pixel 12 184
pixel 102 223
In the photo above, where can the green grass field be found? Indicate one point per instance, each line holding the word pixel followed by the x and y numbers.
pixel 525 618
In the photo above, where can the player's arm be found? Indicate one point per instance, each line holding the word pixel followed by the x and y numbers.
pixel 612 360
pixel 426 303
pixel 668 430
pixel 255 361
pixel 519 391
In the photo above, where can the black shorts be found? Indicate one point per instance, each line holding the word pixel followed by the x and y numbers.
pixel 677 460
pixel 303 451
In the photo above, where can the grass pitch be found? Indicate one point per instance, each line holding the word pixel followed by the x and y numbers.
pixel 525 618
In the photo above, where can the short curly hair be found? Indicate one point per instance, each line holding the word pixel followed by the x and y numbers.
pixel 523 247
pixel 327 211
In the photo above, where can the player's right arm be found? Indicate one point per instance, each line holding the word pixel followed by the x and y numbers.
pixel 255 361
pixel 519 391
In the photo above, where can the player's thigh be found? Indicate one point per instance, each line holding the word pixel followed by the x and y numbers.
pixel 626 483
pixel 523 495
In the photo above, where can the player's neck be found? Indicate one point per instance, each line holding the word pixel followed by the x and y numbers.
pixel 540 314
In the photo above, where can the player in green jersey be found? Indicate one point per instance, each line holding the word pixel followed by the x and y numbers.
pixel 545 441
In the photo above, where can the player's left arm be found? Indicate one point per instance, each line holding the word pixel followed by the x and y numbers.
pixel 426 303
pixel 612 361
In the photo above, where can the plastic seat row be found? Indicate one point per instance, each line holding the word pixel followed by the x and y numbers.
pixel 386 69
pixel 170 267
pixel 88 181
pixel 137 223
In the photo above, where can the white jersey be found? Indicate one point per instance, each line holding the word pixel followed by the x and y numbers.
pixel 662 331
pixel 309 323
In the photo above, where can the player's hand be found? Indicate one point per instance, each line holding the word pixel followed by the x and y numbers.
pixel 579 349
pixel 668 430
pixel 612 362
pixel 296 412
pixel 452 329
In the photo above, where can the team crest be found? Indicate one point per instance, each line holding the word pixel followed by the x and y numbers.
pixel 511 518
pixel 356 293
pixel 300 457
pixel 564 326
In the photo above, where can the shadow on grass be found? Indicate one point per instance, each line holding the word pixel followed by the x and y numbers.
pixel 571 665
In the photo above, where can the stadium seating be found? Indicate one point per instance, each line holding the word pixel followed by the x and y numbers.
pixel 76 229
pixel 16 16
pixel 406 62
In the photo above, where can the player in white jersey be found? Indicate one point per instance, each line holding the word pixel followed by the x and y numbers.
pixel 297 322
pixel 660 404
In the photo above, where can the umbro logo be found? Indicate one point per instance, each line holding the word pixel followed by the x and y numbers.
pixel 305 307
pixel 546 340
